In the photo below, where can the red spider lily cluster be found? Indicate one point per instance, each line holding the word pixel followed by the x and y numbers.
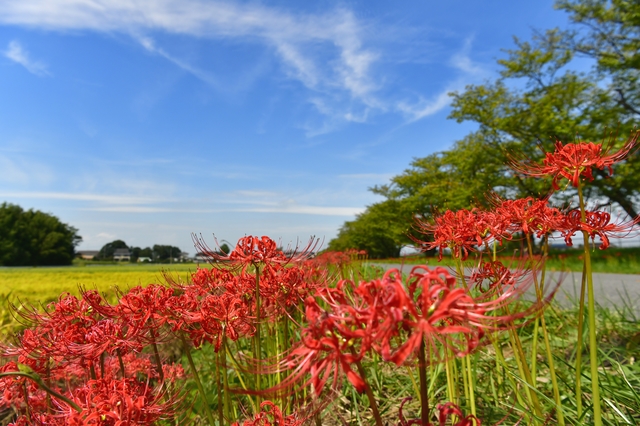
pixel 104 358
pixel 392 317
pixel 465 231
pixel 91 353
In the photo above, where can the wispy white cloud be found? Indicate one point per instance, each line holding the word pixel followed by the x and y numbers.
pixel 285 208
pixel 462 61
pixel 325 52
pixel 425 107
pixel 71 196
pixel 311 210
pixel 469 72
pixel 238 201
pixel 19 55
pixel 208 78
pixel 19 170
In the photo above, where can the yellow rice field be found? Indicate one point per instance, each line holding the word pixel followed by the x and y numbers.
pixel 42 285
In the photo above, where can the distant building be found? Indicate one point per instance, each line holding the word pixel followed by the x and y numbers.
pixel 144 259
pixel 122 254
pixel 87 254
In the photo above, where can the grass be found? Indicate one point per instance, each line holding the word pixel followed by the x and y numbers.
pixel 612 260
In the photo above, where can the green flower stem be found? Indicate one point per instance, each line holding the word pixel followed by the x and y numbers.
pixel 47 389
pixel 465 379
pixel 579 344
pixel 424 392
pixel 547 342
pixel 593 343
pixel 257 339
pixel 225 378
pixel 196 376
pixel 451 389
pixel 372 400
pixel 219 386
pixel 156 356
pixel 502 362
pixel 525 373
pixel 472 396
pixel 536 322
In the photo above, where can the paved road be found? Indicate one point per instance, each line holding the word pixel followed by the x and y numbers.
pixel 617 290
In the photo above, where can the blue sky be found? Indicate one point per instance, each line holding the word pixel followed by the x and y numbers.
pixel 150 120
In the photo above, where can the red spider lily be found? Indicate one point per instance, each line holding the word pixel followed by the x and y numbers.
pixel 394 319
pixel 573 160
pixel 335 258
pixel 445 411
pixel 433 310
pixel 143 307
pixel 326 348
pixel 284 287
pixel 140 365
pixel 596 223
pixel 460 231
pixel 254 251
pixel 210 317
pixel 106 336
pixel 493 278
pixel 495 274
pixel 64 324
pixel 528 215
pixel 270 415
pixel 118 402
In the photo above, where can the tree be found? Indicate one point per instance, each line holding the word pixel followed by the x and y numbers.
pixel 107 250
pixel 163 253
pixel 224 249
pixel 558 102
pixel 537 99
pixel 378 231
pixel 34 238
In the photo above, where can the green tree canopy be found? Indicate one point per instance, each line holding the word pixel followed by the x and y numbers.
pixel 34 238
pixel 162 253
pixel 107 250
pixel 542 95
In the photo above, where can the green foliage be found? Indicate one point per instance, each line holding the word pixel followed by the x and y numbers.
pixel 107 250
pixel 162 253
pixel 537 99
pixel 34 238
pixel 379 231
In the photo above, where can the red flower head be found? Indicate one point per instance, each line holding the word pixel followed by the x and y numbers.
pixel 528 215
pixel 271 415
pixel 573 160
pixel 445 411
pixel 329 345
pixel 118 402
pixel 254 251
pixel 460 231
pixel 596 223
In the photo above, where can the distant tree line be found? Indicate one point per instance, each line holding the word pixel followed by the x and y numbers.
pixel 158 253
pixel 34 238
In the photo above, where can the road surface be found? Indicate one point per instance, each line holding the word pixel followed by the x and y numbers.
pixel 611 290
